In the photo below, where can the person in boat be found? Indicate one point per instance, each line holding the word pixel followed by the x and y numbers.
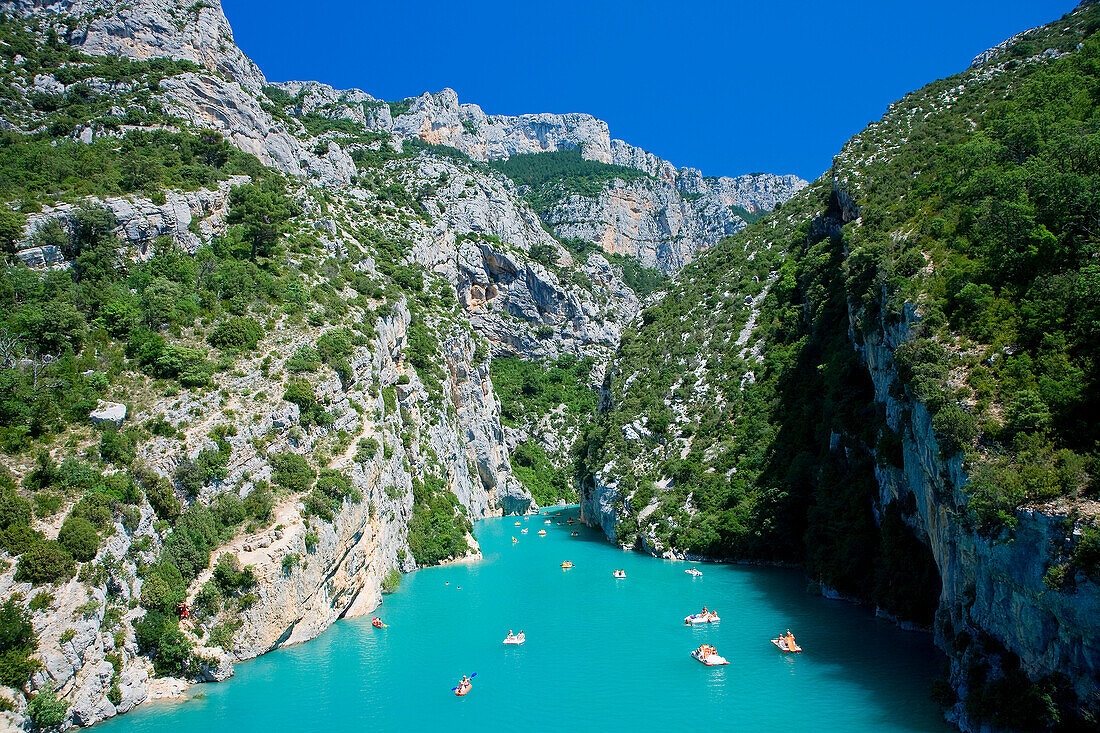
pixel 704 610
pixel 510 634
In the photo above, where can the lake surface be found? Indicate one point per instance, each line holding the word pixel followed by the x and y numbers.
pixel 601 654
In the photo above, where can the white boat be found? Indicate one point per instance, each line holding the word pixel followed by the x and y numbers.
pixel 523 531
pixel 709 656
pixel 515 638
pixel 693 572
pixel 620 574
pixel 786 643
pixel 701 618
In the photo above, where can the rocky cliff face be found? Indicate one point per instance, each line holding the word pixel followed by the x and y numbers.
pixel 712 424
pixel 662 219
pixel 989 587
pixel 464 229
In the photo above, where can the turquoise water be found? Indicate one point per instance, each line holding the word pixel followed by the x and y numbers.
pixel 601 654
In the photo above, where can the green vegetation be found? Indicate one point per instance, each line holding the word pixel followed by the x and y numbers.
pixel 550 175
pixel 391 582
pixel 17 644
pixel 438 526
pixel 528 392
pixel 529 388
pixel 46 710
pixel 292 472
pixel 978 217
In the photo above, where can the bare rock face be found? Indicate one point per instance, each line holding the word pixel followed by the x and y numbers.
pixel 988 587
pixel 108 412
pixel 145 29
pixel 190 218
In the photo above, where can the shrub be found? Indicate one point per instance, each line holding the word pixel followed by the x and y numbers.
pixel 117 447
pixel 80 538
pixel 392 580
pixel 237 333
pixel 42 600
pixel 159 636
pixel 230 578
pixel 17 644
pixel 292 472
pixel 366 450
pixel 290 561
pixel 45 562
pixel 46 710
pixel 162 497
pixel 163 588
pixel 259 502
pixel 305 359
pixel 228 510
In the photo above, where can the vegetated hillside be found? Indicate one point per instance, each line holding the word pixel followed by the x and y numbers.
pixel 893 380
pixel 585 186
pixel 245 356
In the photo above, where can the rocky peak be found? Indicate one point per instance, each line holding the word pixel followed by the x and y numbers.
pixel 144 29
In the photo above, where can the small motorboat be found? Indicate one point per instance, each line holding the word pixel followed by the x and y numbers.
pixel 566 565
pixel 377 623
pixel 709 656
pixel 523 531
pixel 515 638
pixel 695 619
pixel 694 572
pixel 620 573
pixel 786 643
pixel 542 533
pixel 547 522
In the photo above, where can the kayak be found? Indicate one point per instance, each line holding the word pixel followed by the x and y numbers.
pixel 701 618
pixel 709 657
pixel 787 644
pixel 516 639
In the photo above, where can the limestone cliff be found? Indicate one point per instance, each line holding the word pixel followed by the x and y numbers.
pixel 663 219
pixel 428 406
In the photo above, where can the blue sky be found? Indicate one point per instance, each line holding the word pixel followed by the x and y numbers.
pixel 726 87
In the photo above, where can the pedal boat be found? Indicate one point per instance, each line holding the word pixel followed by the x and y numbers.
pixel 701 618
pixel 709 656
pixel 620 574
pixel 515 638
pixel 787 644
pixel 693 572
